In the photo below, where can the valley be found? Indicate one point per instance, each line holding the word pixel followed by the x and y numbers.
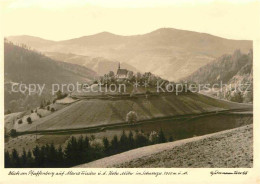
pixel 68 128
pixel 179 116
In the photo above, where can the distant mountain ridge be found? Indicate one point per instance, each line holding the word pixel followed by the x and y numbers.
pixel 98 64
pixel 168 52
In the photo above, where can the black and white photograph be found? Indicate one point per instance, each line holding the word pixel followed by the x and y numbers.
pixel 128 84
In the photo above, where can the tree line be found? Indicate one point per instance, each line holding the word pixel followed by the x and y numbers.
pixel 80 150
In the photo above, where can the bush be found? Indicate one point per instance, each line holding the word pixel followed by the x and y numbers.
pixel 131 117
pixel 48 108
pixel 171 138
pixel 7 112
pixel 60 95
pixel 20 121
pixel 48 103
pixel 13 133
pixel 52 109
pixel 29 120
pixel 153 137
pixel 147 92
pixel 132 94
pixel 161 137
pixel 5 132
pixel 237 97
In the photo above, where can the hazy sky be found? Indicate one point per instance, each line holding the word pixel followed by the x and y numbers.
pixel 65 19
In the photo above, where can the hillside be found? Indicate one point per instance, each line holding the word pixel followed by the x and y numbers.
pixel 33 41
pixel 227 149
pixel 87 113
pixel 235 70
pixel 223 68
pixel 167 52
pixel 27 66
pixel 22 65
pixel 100 65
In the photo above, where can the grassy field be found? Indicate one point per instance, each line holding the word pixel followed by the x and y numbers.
pixel 93 112
pixel 28 142
pixel 232 149
pixel 178 129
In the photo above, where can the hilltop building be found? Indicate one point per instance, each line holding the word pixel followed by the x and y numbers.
pixel 123 73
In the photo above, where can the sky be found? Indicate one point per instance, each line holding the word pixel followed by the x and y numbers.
pixel 66 19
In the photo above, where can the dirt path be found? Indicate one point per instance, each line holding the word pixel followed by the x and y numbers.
pixel 172 155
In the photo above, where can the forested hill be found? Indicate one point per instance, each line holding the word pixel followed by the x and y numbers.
pixel 235 71
pixel 224 68
pixel 28 66
pixel 22 65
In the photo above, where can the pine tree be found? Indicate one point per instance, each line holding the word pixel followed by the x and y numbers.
pixel 87 150
pixel 171 138
pixel 106 146
pixel 161 138
pixel 42 156
pixel 30 160
pixel 141 140
pixel 15 159
pixel 8 163
pixel 24 158
pixel 114 145
pixel 36 154
pixel 60 157
pixel 81 148
pixel 52 156
pixel 123 142
pixel 71 152
pixel 131 140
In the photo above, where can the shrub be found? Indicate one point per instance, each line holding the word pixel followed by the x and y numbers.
pixel 48 108
pixel 13 133
pixel 237 97
pixel 48 103
pixel 147 92
pixel 29 120
pixel 60 95
pixel 153 137
pixel 5 132
pixel 161 137
pixel 20 121
pixel 7 111
pixel 131 117
pixel 52 109
pixel 132 94
pixel 170 138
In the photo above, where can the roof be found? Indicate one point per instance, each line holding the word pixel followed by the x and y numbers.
pixel 122 71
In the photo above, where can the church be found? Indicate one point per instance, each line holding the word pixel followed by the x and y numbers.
pixel 123 73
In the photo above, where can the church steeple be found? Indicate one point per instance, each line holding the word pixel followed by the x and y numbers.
pixel 119 65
